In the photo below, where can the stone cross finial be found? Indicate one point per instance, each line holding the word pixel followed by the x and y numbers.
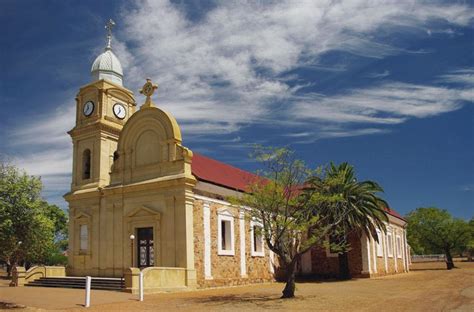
pixel 148 89
pixel 110 24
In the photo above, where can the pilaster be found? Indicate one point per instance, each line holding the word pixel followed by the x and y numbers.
pixel 365 246
pixel 243 257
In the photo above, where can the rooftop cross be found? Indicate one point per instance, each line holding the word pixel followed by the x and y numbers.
pixel 148 89
pixel 110 24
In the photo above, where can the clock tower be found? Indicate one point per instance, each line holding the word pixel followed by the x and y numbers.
pixel 102 108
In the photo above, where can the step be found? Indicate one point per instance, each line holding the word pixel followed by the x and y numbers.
pixel 75 287
pixel 83 278
pixel 78 284
pixel 98 283
pixel 93 281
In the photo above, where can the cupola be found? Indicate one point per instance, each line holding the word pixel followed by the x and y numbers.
pixel 107 66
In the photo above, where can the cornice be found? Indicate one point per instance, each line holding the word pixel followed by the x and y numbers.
pixel 98 125
pixel 104 85
pixel 172 181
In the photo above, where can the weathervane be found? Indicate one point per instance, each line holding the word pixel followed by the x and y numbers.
pixel 110 24
pixel 148 89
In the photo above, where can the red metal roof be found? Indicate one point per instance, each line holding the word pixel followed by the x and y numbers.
pixel 218 173
pixel 394 213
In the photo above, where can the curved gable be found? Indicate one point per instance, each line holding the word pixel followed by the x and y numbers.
pixel 148 146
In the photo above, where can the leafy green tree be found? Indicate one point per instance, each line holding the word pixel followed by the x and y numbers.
pixel 436 230
pixel 278 201
pixel 355 204
pixel 58 216
pixel 27 229
pixel 55 256
pixel 60 221
pixel 469 248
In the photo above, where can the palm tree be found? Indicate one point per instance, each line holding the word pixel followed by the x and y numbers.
pixel 355 205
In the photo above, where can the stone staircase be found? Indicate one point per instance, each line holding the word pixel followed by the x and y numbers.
pixel 98 283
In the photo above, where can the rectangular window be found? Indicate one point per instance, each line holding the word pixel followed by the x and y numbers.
pixel 379 244
pixel 389 244
pixel 256 239
pixel 399 247
pixel 335 242
pixel 225 234
pixel 84 237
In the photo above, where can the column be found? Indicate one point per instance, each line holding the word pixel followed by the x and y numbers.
pixel 365 249
pixel 395 251
pixel 384 239
pixel 207 241
pixel 186 241
pixel 404 250
pixel 243 257
pixel 374 254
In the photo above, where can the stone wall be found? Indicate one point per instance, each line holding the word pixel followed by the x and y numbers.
pixel 325 264
pixel 387 264
pixel 226 270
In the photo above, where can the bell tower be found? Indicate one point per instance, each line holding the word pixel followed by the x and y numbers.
pixel 102 108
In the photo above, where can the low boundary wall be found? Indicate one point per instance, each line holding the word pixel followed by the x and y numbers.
pixel 20 276
pixel 157 279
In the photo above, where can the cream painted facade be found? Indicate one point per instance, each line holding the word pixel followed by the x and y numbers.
pixel 140 177
pixel 131 175
pixel 135 202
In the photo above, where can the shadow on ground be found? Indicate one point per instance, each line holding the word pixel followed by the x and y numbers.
pixel 319 279
pixel 272 302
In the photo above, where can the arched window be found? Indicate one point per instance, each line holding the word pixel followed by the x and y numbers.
pixel 86 164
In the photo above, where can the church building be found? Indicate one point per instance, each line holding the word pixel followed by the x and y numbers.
pixel 139 199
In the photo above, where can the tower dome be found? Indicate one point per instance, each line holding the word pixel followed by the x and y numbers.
pixel 107 66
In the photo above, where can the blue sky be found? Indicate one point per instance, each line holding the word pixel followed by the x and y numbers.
pixel 387 86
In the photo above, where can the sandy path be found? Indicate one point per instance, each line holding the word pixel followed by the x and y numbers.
pixel 430 289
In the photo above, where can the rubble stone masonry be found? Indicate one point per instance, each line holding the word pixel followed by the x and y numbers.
pixel 226 269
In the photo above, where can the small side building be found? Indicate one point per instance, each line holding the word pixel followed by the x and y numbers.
pixel 368 257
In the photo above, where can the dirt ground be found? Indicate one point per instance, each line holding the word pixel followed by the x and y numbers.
pixel 428 287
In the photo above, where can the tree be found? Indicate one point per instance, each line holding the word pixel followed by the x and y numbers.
pixel 278 200
pixel 55 256
pixel 355 204
pixel 27 229
pixel 436 230
pixel 469 247
pixel 58 217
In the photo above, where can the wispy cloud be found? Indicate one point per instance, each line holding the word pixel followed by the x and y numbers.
pixel 463 77
pixel 468 188
pixel 43 148
pixel 237 65
pixel 383 74
pixel 46 130
pixel 447 31
pixel 387 103
pixel 331 132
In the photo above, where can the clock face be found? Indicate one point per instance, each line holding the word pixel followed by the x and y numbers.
pixel 88 108
pixel 119 111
